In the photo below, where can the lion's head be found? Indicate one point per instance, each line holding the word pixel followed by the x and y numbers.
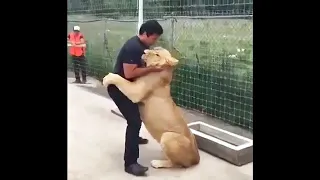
pixel 159 57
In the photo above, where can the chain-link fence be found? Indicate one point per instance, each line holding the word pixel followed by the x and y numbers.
pixel 211 38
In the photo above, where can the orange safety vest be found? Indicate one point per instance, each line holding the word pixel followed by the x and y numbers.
pixel 76 51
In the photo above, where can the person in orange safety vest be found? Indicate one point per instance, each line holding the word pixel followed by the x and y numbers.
pixel 77 53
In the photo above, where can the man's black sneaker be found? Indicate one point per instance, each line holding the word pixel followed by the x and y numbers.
pixel 77 81
pixel 84 81
pixel 145 168
pixel 136 169
pixel 143 141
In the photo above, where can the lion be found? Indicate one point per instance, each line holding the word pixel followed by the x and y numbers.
pixel 160 115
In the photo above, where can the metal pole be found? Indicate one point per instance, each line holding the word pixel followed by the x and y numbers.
pixel 140 14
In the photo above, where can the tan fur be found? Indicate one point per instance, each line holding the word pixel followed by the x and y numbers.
pixel 160 115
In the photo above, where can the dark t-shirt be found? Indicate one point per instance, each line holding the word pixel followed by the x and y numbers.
pixel 130 53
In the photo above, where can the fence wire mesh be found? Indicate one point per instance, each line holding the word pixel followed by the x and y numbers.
pixel 211 38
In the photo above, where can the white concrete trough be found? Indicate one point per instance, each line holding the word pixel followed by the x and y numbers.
pixel 223 144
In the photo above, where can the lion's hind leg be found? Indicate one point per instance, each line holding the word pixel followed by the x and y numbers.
pixel 163 164
pixel 178 150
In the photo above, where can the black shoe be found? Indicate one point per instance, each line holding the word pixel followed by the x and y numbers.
pixel 77 81
pixel 84 81
pixel 145 168
pixel 143 141
pixel 136 169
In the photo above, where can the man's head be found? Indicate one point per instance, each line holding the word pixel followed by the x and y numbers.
pixel 159 57
pixel 76 29
pixel 149 32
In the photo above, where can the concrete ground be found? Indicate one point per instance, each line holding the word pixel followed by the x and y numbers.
pixel 96 144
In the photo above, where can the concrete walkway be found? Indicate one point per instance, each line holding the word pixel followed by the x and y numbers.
pixel 96 146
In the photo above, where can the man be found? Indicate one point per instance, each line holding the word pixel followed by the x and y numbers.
pixel 129 65
pixel 77 52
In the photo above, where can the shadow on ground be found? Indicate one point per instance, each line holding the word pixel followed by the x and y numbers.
pixel 98 91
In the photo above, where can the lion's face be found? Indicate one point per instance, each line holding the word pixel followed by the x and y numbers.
pixel 159 57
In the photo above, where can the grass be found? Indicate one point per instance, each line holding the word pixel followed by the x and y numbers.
pixel 215 70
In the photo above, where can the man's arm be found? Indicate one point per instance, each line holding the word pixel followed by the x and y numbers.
pixel 130 65
pixel 132 71
pixel 81 41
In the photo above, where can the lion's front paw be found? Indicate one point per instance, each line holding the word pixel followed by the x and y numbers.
pixel 108 79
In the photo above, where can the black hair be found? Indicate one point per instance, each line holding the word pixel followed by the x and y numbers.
pixel 151 27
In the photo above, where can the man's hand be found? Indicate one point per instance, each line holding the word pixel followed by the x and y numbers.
pixel 81 45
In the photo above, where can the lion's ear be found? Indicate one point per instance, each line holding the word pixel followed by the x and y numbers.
pixel 171 61
pixel 147 51
pixel 158 48
pixel 168 61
